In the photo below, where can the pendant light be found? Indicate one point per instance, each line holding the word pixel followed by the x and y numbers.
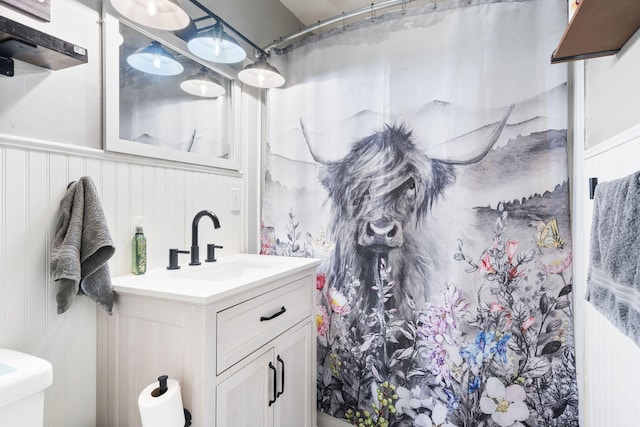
pixel 154 59
pixel 160 14
pixel 203 84
pixel 188 32
pixel 261 74
pixel 216 45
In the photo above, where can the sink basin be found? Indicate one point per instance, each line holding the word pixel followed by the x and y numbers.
pixel 216 272
pixel 209 282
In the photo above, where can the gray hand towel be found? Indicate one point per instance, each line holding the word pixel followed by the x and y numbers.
pixel 81 248
pixel 613 281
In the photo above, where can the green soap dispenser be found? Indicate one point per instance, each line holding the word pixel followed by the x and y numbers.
pixel 139 252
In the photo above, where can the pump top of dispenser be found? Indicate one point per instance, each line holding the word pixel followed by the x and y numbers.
pixel 138 229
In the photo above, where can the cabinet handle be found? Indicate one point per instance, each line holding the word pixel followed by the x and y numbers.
pixel 282 376
pixel 273 316
pixel 275 384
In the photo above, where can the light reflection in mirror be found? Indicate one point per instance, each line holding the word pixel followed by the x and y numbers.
pixel 154 110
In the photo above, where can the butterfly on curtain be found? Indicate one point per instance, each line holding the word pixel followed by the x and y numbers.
pixel 548 235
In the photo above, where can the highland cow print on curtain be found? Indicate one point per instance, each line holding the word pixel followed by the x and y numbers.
pixel 422 155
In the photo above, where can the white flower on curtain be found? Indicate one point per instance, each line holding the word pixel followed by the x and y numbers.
pixel 505 404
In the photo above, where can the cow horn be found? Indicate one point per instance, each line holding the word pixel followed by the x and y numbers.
pixel 316 156
pixel 474 156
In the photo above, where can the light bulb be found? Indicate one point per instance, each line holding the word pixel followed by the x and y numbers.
pixel 216 47
pixel 261 78
pixel 156 61
pixel 203 89
pixel 152 8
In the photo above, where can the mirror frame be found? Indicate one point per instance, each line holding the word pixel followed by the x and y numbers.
pixel 111 96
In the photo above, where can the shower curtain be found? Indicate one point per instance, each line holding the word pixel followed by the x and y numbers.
pixel 422 155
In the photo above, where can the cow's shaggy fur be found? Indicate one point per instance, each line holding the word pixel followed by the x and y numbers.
pixel 384 183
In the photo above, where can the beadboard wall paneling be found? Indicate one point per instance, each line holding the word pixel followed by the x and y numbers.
pixel 611 372
pixel 163 197
pixel 15 229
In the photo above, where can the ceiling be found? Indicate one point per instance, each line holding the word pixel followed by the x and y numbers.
pixel 311 11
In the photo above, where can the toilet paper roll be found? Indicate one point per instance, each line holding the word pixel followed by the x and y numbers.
pixel 162 411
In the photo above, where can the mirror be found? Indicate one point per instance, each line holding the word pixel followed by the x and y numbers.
pixel 152 115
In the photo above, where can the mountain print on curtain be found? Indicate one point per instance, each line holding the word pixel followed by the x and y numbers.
pixel 423 156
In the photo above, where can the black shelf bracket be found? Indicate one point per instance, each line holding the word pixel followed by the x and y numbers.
pixel 6 67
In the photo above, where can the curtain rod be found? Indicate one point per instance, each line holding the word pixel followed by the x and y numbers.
pixel 333 20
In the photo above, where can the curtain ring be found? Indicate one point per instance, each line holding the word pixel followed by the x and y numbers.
pixel 373 14
pixel 404 8
pixel 435 4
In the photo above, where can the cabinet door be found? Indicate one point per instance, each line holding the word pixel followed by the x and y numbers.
pixel 242 400
pixel 295 358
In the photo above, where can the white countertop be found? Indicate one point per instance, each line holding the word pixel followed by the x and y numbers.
pixel 210 282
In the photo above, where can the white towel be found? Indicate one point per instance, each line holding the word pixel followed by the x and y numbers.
pixel 613 281
pixel 81 248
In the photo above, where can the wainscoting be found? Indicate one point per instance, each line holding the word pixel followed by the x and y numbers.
pixel 33 179
pixel 610 359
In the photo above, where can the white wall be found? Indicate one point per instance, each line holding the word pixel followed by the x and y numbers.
pixel 613 93
pixel 607 115
pixel 61 106
pixel 51 130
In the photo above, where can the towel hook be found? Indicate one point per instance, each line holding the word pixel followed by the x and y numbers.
pixel 592 187
pixel 70 184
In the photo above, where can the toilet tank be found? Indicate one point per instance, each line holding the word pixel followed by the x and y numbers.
pixel 23 379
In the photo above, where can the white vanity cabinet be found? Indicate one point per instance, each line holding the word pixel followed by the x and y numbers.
pixel 242 348
pixel 280 377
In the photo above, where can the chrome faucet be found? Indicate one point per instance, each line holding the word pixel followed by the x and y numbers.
pixel 195 250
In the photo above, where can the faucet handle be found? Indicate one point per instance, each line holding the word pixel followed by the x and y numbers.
pixel 211 252
pixel 173 258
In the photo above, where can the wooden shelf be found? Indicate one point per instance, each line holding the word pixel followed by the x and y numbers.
pixel 27 44
pixel 598 28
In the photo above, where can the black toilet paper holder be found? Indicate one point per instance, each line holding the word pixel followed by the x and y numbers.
pixel 162 389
